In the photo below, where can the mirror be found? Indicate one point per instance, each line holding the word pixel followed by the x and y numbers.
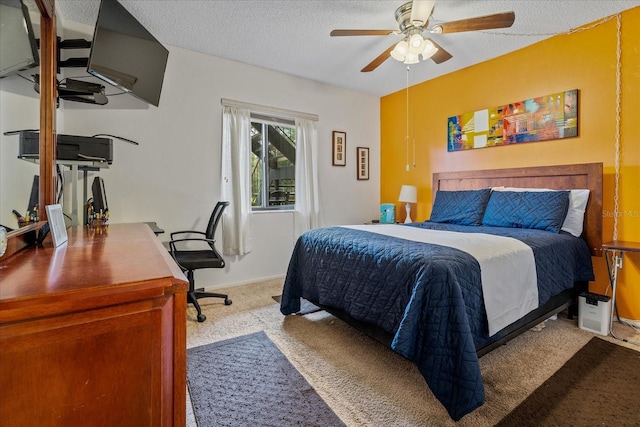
pixel 44 109
pixel 19 109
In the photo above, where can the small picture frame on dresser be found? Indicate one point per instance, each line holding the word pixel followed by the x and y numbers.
pixel 56 224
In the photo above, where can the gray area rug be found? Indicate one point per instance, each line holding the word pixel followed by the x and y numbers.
pixel 306 307
pixel 247 381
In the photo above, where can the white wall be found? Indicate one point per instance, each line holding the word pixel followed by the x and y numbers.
pixel 173 176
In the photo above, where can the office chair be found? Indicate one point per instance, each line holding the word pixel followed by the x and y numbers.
pixel 191 260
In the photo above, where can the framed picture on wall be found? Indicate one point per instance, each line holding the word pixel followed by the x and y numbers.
pixel 339 148
pixel 363 163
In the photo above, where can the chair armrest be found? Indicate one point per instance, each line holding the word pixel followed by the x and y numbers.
pixel 195 239
pixel 172 243
pixel 187 232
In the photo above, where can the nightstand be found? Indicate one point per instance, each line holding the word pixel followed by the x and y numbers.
pixel 616 249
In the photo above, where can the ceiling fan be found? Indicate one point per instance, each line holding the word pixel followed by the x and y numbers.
pixel 413 20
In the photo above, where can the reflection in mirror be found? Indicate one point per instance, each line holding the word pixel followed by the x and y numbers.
pixel 18 46
pixel 19 109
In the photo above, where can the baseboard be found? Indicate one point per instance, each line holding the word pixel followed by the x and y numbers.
pixel 244 282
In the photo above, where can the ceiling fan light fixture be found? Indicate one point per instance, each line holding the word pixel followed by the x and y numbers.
pixel 429 50
pixel 398 57
pixel 411 58
pixel 414 51
pixel 400 51
pixel 417 43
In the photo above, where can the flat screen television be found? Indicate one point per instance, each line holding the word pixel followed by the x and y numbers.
pixel 126 55
pixel 18 48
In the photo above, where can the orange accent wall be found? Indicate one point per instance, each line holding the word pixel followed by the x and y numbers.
pixel 584 60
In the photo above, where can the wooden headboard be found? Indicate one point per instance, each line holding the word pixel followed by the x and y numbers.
pixel 562 177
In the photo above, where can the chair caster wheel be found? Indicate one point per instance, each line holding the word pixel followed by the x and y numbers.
pixel 201 318
pixel 227 301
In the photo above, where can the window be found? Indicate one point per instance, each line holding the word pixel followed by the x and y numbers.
pixel 273 156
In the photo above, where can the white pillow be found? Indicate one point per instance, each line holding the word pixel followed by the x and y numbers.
pixel 574 220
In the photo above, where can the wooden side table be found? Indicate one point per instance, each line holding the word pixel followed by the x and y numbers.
pixel 617 249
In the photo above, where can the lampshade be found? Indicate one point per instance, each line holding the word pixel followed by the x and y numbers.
pixel 411 58
pixel 408 194
pixel 417 42
pixel 400 51
pixel 429 50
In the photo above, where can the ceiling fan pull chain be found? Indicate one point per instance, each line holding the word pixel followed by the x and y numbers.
pixel 407 107
pixel 414 126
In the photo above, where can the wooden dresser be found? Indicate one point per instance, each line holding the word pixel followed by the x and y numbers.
pixel 93 333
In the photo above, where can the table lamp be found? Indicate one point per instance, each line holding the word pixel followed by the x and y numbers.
pixel 408 194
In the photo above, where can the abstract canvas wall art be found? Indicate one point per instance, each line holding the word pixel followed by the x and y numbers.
pixel 544 118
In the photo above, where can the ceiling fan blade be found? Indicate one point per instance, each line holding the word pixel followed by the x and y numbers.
pixel 379 60
pixel 489 22
pixel 335 33
pixel 421 10
pixel 441 55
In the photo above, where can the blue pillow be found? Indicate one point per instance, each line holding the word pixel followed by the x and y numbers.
pixel 464 207
pixel 543 210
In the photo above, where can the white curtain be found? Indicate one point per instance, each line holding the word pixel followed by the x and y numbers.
pixel 307 207
pixel 236 181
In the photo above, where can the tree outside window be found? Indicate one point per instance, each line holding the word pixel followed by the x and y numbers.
pixel 273 156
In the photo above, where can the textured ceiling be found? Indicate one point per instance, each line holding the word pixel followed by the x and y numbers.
pixel 292 36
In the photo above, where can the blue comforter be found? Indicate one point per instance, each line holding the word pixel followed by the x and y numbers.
pixel 429 297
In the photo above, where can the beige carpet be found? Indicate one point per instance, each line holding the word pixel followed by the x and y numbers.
pixel 365 383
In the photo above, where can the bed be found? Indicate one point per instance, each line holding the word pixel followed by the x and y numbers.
pixel 430 291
